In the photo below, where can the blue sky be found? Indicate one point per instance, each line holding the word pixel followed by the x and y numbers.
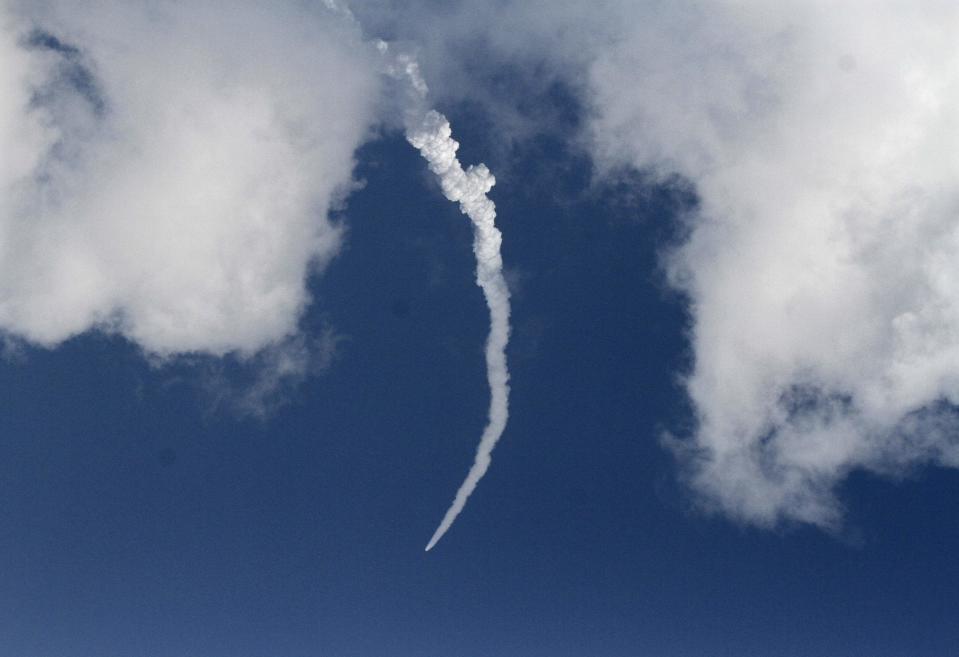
pixel 164 495
pixel 303 534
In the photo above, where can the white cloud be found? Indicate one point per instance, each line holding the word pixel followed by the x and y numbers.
pixel 172 175
pixel 821 270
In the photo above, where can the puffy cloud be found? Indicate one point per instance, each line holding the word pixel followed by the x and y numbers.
pixel 821 268
pixel 169 167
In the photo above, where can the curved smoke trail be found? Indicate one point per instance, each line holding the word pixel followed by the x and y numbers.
pixel 430 133
pixel 432 136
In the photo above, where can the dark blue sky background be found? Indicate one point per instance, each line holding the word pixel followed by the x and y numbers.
pixel 138 519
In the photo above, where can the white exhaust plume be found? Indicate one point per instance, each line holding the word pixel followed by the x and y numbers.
pixel 431 135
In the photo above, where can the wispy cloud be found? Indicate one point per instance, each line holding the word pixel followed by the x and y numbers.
pixel 260 385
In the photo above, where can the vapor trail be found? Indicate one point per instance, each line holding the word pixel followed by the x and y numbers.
pixel 430 133
pixel 433 138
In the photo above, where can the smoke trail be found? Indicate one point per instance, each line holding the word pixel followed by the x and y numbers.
pixel 430 133
pixel 432 137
